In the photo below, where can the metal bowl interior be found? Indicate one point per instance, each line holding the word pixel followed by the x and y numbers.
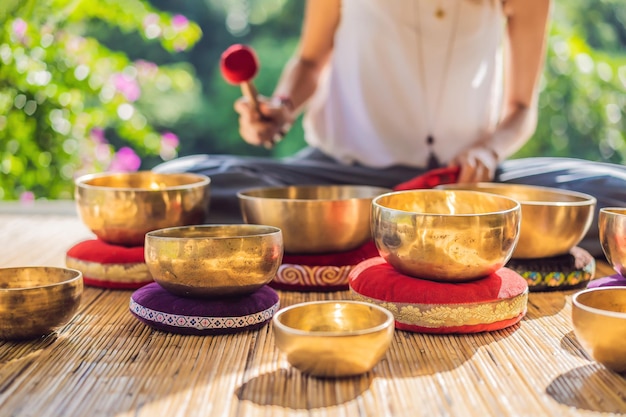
pixel 612 231
pixel 599 321
pixel 314 219
pixel 120 208
pixel 445 235
pixel 333 338
pixel 553 220
pixel 37 300
pixel 214 260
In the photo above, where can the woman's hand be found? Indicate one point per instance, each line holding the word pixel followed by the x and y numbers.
pixel 267 126
pixel 477 164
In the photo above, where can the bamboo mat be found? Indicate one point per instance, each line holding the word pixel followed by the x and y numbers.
pixel 106 363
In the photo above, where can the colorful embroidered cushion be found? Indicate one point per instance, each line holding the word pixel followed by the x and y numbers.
pixel 424 306
pixel 320 272
pixel 165 311
pixel 611 281
pixel 563 272
pixel 109 266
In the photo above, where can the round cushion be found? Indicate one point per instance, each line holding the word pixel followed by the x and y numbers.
pixel 424 306
pixel 320 272
pixel 562 272
pixel 109 266
pixel 611 281
pixel 165 311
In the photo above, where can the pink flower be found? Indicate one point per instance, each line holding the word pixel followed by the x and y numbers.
pixel 128 86
pixel 27 197
pixel 19 28
pixel 179 21
pixel 97 135
pixel 170 140
pixel 146 68
pixel 125 160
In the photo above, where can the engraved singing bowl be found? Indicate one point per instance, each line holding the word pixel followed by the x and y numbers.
pixel 315 218
pixel 599 321
pixel 445 235
pixel 213 260
pixel 612 231
pixel 553 220
pixel 333 338
pixel 37 300
pixel 120 208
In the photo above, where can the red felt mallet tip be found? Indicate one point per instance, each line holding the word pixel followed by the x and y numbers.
pixel 239 64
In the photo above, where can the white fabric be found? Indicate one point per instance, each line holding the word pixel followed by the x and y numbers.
pixel 370 106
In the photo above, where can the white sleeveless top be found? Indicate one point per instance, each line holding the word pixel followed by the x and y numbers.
pixel 388 87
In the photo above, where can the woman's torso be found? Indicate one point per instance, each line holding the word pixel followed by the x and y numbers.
pixel 388 88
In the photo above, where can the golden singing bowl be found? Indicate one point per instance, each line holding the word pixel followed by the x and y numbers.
pixel 121 208
pixel 599 320
pixel 315 218
pixel 214 260
pixel 36 300
pixel 612 231
pixel 333 338
pixel 553 220
pixel 445 235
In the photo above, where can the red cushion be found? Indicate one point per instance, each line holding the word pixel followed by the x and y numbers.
pixel 165 311
pixel 320 272
pixel 424 306
pixel 109 266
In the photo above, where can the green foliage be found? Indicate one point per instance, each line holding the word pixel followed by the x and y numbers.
pixel 62 93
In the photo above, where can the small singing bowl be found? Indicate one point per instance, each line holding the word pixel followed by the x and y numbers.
pixel 333 338
pixel 612 232
pixel 314 219
pixel 599 321
pixel 120 208
pixel 214 260
pixel 553 220
pixel 37 300
pixel 445 235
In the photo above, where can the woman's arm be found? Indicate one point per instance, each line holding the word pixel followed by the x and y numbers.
pixel 299 78
pixel 527 31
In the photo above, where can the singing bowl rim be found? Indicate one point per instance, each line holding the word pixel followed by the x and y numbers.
pixel 378 205
pixel 169 233
pixel 577 303
pixel 76 276
pixel 584 199
pixel 83 181
pixel 613 211
pixel 389 320
pixel 254 193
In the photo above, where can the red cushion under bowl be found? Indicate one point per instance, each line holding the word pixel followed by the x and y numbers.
pixel 424 306
pixel 109 266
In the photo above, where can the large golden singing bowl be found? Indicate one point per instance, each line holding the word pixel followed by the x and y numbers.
pixel 612 232
pixel 333 338
pixel 553 220
pixel 599 320
pixel 445 235
pixel 121 208
pixel 214 260
pixel 36 300
pixel 314 218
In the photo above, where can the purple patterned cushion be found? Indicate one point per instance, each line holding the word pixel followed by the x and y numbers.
pixel 611 281
pixel 165 311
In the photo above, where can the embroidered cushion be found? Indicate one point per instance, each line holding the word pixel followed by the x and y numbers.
pixel 563 272
pixel 109 266
pixel 165 311
pixel 424 306
pixel 611 281
pixel 320 272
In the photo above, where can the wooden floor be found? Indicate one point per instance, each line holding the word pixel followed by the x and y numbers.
pixel 107 363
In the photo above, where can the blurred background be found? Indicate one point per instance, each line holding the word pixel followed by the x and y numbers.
pixel 91 85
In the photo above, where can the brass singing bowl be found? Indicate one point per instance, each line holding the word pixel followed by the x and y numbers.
pixel 599 321
pixel 214 260
pixel 120 208
pixel 333 338
pixel 612 232
pixel 315 218
pixel 445 235
pixel 37 300
pixel 553 220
